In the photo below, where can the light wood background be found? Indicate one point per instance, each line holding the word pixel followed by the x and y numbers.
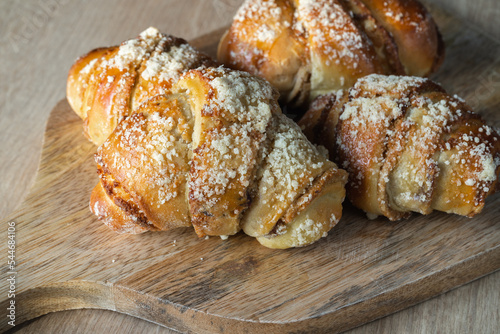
pixel 40 39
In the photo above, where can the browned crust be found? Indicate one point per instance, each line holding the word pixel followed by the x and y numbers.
pixel 104 95
pixel 281 62
pixel 111 214
pixel 314 119
pixel 333 175
pixel 461 198
pixel 421 47
pixel 453 187
pixel 220 214
pixel 399 37
pixel 123 201
pixel 151 149
pixel 77 81
pixel 368 169
pixel 384 45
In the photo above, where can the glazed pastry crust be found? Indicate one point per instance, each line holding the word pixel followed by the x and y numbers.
pixel 408 147
pixel 308 48
pixel 108 84
pixel 219 155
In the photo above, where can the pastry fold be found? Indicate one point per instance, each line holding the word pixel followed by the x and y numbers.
pixel 108 84
pixel 307 48
pixel 217 153
pixel 408 146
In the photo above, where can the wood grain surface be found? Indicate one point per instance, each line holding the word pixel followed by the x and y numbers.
pixel 45 26
pixel 482 14
pixel 362 271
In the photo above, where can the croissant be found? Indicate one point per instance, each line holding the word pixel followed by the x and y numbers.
pixel 217 153
pixel 107 84
pixel 306 48
pixel 408 146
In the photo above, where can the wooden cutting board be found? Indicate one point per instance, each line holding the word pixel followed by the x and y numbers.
pixel 363 270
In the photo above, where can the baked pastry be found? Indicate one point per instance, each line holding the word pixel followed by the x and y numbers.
pixel 407 146
pixel 218 154
pixel 107 84
pixel 306 48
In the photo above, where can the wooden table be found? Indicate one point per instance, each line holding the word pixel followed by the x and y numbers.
pixel 39 42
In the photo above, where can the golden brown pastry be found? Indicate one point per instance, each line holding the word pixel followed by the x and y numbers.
pixel 306 48
pixel 218 154
pixel 407 146
pixel 107 84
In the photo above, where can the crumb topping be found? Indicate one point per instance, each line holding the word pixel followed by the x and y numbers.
pixel 290 160
pixel 246 141
pixel 406 139
pixel 167 66
pixel 259 21
pixel 377 84
pixel 244 96
pixel 310 229
pixel 88 67
pixel 331 30
pixel 132 52
pixel 244 102
pixel 150 149
pixel 307 231
pixel 135 71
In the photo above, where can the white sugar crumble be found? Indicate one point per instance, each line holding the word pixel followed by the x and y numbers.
pixel 88 67
pixel 332 31
pixel 307 232
pixel 169 65
pixel 247 102
pixel 290 156
pixel 390 112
